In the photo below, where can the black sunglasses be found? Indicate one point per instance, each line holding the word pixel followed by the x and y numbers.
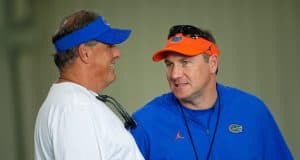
pixel 186 30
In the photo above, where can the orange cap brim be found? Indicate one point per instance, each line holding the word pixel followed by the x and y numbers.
pixel 186 46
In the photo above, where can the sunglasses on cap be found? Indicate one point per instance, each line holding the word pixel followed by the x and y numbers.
pixel 186 30
pixel 190 31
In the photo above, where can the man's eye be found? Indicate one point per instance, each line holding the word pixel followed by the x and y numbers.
pixel 168 64
pixel 184 62
pixel 111 45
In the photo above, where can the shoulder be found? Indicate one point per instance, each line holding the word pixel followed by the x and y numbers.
pixel 155 107
pixel 67 99
pixel 69 91
pixel 239 101
pixel 228 93
pixel 70 94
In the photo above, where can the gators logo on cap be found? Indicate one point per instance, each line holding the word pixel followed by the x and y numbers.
pixel 176 39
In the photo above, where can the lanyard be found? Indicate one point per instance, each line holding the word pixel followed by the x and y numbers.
pixel 214 133
pixel 129 123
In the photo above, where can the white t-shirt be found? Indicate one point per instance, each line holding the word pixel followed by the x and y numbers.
pixel 73 125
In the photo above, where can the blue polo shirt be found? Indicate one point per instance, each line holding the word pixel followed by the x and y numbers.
pixel 246 129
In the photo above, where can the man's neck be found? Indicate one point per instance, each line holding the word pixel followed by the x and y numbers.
pixel 78 78
pixel 203 101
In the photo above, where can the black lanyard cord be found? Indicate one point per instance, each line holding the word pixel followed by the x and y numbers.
pixel 214 133
pixel 189 132
pixel 129 123
pixel 216 127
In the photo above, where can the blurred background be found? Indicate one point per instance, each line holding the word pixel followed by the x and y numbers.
pixel 258 40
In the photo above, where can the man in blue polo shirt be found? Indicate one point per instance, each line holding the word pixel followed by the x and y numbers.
pixel 201 118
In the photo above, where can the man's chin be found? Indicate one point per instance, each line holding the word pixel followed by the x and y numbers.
pixel 180 96
pixel 110 80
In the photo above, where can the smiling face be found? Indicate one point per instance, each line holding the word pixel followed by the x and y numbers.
pixel 103 62
pixel 190 77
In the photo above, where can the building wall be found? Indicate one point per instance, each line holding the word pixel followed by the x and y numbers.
pixel 258 40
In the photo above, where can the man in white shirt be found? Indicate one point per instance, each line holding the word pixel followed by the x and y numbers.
pixel 72 124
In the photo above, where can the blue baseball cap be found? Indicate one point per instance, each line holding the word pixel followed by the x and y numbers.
pixel 97 30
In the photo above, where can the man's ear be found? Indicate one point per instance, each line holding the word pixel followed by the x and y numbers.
pixel 83 53
pixel 213 63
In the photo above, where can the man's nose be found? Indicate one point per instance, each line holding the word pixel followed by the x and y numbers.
pixel 177 72
pixel 116 52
